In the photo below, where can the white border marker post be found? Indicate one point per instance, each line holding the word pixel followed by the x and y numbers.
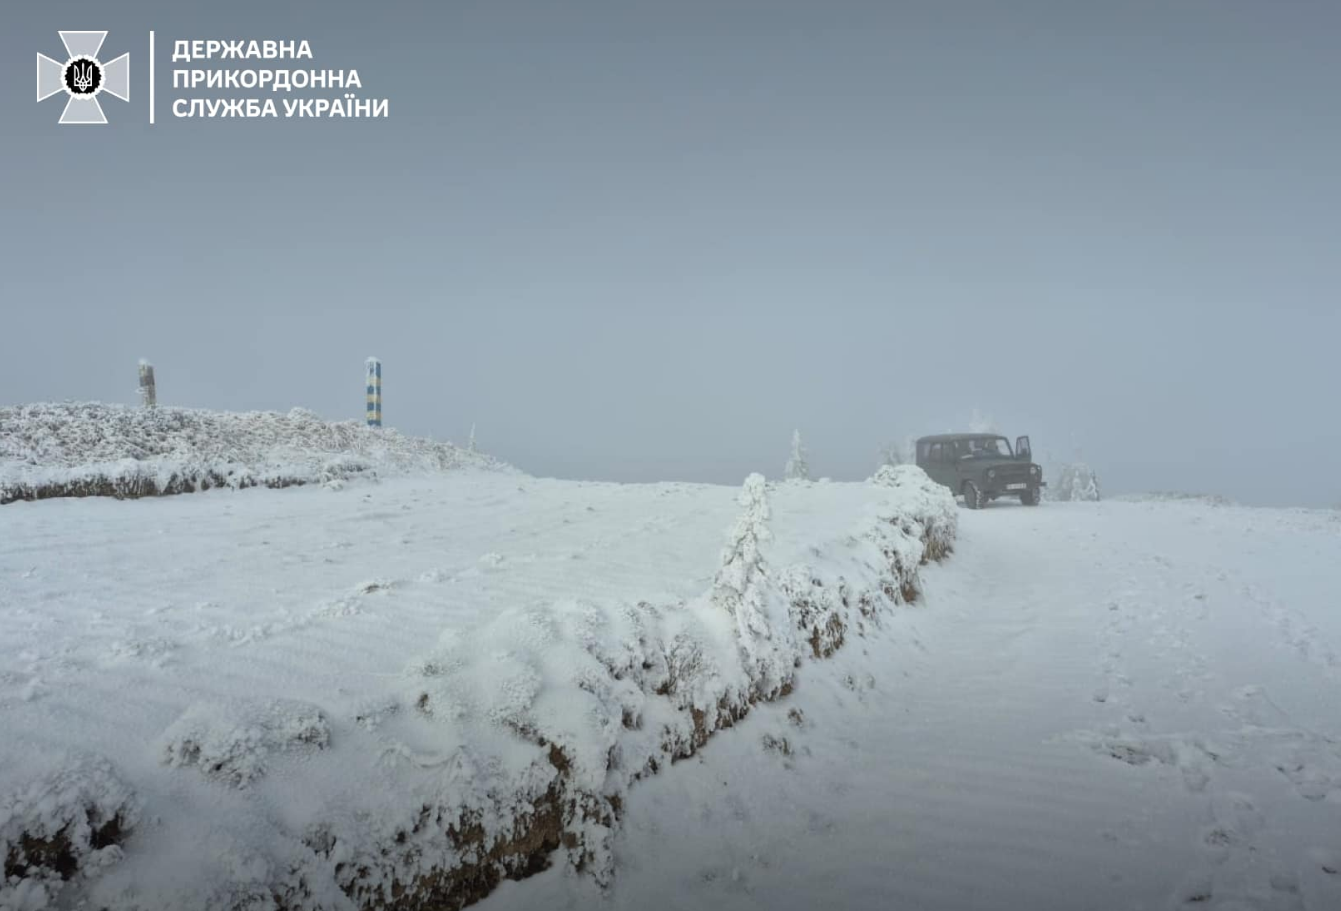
pixel 151 76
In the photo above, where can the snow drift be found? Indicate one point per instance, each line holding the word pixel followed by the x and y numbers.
pixel 509 742
pixel 92 449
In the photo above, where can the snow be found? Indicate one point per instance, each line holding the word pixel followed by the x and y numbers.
pixel 112 449
pixel 1097 705
pixel 308 695
pixel 1126 704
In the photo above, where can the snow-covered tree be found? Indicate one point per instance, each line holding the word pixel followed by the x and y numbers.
pixel 470 446
pixel 742 558
pixel 798 469
pixel 743 589
pixel 1075 481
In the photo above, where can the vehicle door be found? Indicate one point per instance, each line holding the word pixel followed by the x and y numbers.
pixel 937 464
pixel 957 466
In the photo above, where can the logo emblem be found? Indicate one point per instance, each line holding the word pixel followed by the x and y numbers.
pixel 83 77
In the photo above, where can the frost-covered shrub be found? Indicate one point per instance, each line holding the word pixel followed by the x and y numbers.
pixel 542 715
pixel 231 742
pixel 816 609
pixel 930 505
pixel 68 823
pixel 1075 481
pixel 92 449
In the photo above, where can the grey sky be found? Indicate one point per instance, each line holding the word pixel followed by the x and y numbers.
pixel 639 240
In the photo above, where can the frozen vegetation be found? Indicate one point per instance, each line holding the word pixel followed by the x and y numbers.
pixel 1074 482
pixel 92 449
pixel 398 694
pixel 798 463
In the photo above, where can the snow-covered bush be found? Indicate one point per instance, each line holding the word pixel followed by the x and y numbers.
pixel 798 468
pixel 929 504
pixel 65 824
pixel 232 742
pixel 543 715
pixel 1074 481
pixel 92 449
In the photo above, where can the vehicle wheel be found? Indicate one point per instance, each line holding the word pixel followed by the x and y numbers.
pixel 1031 496
pixel 972 495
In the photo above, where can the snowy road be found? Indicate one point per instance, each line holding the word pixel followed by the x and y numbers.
pixel 1118 705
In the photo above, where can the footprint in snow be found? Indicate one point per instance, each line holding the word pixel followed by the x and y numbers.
pixel 1193 759
pixel 1195 891
pixel 1309 761
pixel 1310 778
pixel 1235 824
pixel 1320 878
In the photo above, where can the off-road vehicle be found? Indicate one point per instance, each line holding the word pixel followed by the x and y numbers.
pixel 982 467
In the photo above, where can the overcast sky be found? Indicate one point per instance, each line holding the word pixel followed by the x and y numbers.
pixel 646 240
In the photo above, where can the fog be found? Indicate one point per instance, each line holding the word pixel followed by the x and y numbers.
pixel 641 241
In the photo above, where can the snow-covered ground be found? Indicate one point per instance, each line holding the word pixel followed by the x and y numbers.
pixel 1094 705
pixel 314 692
pixel 1098 706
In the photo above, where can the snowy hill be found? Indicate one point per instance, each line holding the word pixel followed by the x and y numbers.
pixel 398 694
pixel 92 449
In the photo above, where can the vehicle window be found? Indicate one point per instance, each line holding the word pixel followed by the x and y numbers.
pixel 988 447
pixel 936 453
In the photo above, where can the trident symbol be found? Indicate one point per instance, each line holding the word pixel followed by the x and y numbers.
pixel 83 76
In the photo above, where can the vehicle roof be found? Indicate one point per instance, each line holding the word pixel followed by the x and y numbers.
pixel 943 437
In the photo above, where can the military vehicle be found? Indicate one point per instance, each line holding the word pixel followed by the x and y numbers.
pixel 982 467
